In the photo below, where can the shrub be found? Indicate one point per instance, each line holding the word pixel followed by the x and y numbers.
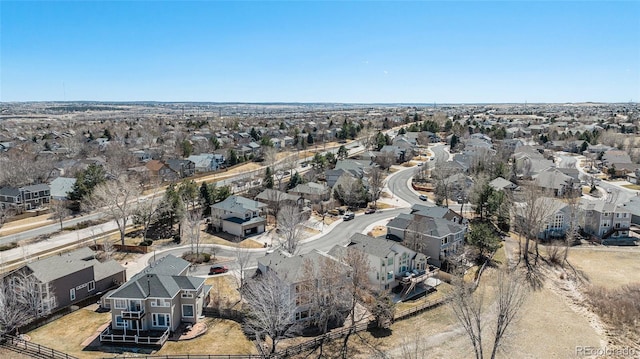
pixel 619 308
pixel 146 243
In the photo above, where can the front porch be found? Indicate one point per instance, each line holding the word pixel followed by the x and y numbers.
pixel 131 336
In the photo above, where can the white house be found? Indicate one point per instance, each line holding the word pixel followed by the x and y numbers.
pixel 238 216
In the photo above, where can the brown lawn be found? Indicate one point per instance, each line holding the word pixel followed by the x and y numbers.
pixel 224 287
pixel 222 337
pixel 610 267
pixel 67 333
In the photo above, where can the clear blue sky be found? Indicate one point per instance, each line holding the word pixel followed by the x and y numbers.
pixel 418 52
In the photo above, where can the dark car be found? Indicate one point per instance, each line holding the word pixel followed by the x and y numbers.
pixel 370 211
pixel 218 270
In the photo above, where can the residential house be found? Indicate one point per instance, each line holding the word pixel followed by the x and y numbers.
pixel 207 162
pixel 605 220
pixel 389 260
pixel 238 216
pixel 61 187
pixel 25 198
pixel 288 141
pixel 142 156
pixel 401 154
pixel 501 184
pixel 154 303
pixel 438 238
pixel 184 168
pixel 290 269
pixel 633 206
pixel 68 278
pixel 273 197
pixel 159 170
pixel 557 217
pixel 559 184
pixel 312 191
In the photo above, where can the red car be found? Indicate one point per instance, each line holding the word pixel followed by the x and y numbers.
pixel 218 270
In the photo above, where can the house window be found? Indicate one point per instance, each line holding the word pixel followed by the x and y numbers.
pixel 302 315
pixel 160 320
pixel 92 286
pixel 120 304
pixel 72 294
pixel 120 322
pixel 187 310
pixel 617 215
pixel 389 275
pixel 390 262
pixel 187 295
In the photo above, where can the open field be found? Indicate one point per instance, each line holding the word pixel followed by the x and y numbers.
pixel 634 187
pixel 9 354
pixel 610 267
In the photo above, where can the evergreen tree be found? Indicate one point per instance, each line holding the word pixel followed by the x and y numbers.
pixel 232 157
pixel 296 179
pixel 309 139
pixel 268 178
pixel 254 134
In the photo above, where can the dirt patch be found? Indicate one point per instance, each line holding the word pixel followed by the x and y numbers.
pixel 378 231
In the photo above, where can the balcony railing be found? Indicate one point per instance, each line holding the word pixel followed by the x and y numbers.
pixel 133 314
pixel 131 336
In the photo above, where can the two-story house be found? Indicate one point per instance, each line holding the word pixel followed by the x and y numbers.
pixel 184 168
pixel 25 198
pixel 154 303
pixel 605 220
pixel 438 238
pixel 68 278
pixel 207 162
pixel 238 216
pixel 557 216
pixel 389 261
pixel 290 269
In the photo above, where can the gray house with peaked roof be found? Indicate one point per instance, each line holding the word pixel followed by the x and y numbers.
pixel 388 260
pixel 154 303
pixel 25 198
pixel 238 216
pixel 437 237
pixel 71 277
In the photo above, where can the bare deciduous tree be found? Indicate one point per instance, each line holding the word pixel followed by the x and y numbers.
pixel 117 199
pixel 376 183
pixel 60 211
pixel 324 291
pixel 271 309
pixel 12 313
pixel 290 228
pixel 467 306
pixel 243 256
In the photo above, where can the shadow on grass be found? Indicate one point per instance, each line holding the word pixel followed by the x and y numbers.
pixel 380 332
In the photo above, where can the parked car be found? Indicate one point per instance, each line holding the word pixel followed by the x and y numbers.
pixel 423 197
pixel 348 216
pixel 218 270
pixel 369 211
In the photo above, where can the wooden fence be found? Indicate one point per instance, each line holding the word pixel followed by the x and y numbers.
pixel 32 349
